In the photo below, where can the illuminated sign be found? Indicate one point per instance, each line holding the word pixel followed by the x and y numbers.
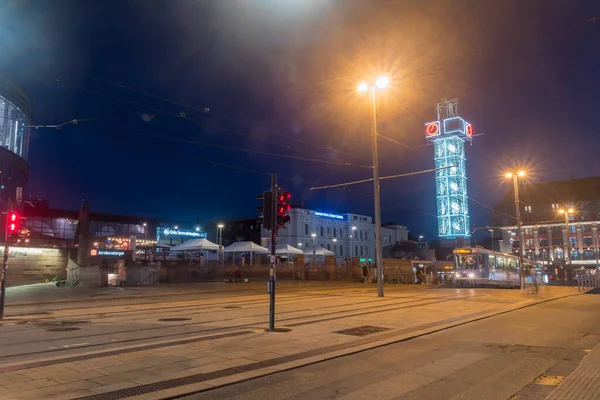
pixel 432 129
pixel 462 251
pixel 327 215
pixel 106 253
pixel 469 130
pixel 24 251
pixel 176 232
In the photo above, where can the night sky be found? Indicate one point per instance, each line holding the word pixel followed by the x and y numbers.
pixel 279 76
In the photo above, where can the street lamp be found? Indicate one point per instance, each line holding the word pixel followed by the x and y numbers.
pixel 314 243
pixel 145 230
pixel 176 227
pixel 381 83
pixel 220 242
pixel 567 212
pixel 197 229
pixel 335 251
pixel 420 238
pixel 352 243
pixel 516 175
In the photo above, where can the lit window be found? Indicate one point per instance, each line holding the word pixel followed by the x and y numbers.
pixel 528 209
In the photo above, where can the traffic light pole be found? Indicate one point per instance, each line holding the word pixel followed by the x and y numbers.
pixel 272 272
pixel 4 261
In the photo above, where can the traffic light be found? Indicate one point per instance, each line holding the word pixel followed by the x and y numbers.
pixel 266 217
pixel 14 222
pixel 283 206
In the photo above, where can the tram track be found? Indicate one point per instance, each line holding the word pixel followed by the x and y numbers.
pixel 283 321
pixel 190 310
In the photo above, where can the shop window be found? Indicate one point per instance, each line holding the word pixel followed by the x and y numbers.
pixel 586 228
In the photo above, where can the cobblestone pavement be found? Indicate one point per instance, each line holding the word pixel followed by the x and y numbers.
pixel 172 341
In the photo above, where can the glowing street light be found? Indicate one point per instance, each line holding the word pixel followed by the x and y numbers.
pixel 381 83
pixel 220 242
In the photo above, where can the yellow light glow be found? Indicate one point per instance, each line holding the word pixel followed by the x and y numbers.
pixel 561 211
pixel 509 175
pixel 382 82
pixel 571 211
pixel 521 173
pixel 362 87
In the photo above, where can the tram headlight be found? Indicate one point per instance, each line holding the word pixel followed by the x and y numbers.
pixel 471 275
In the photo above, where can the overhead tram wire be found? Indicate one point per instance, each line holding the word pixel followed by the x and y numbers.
pixel 381 178
pixel 298 180
pixel 332 162
pixel 187 106
pixel 218 146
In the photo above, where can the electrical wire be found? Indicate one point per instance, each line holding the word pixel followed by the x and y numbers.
pixel 381 178
pixel 253 151
pixel 225 129
pixel 207 110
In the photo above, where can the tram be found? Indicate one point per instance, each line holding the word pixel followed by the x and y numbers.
pixel 477 266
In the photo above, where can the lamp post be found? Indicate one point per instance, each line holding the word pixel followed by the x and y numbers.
pixel 381 83
pixel 352 255
pixel 492 237
pixel 335 251
pixel 314 243
pixel 145 230
pixel 516 175
pixel 567 212
pixel 220 242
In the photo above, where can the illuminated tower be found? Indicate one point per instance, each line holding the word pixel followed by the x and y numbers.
pixel 448 135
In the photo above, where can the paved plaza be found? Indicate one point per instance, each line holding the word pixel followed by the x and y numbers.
pixel 209 341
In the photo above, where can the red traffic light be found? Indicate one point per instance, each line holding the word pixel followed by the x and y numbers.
pixel 14 220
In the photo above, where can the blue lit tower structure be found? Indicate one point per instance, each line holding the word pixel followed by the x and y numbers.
pixel 448 135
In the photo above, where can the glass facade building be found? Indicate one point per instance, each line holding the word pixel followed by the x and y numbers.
pixel 15 119
pixel 14 128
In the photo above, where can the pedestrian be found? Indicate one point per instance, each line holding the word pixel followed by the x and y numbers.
pixel 533 274
pixel 237 274
pixel 365 272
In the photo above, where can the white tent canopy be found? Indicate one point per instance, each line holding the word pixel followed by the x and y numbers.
pixel 319 251
pixel 287 249
pixel 196 245
pixel 243 247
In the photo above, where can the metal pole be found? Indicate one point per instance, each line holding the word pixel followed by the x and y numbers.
pixel 519 232
pixel 221 256
pixel 378 248
pixel 568 234
pixel 596 247
pixel 272 272
pixel 4 261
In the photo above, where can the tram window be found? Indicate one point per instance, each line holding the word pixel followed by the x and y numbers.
pixel 467 262
pixel 511 264
pixel 491 261
pixel 500 262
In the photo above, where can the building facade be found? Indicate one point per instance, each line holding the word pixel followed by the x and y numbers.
pixel 15 121
pixel 347 235
pixel 547 236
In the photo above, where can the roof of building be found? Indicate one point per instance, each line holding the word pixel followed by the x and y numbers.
pixel 74 215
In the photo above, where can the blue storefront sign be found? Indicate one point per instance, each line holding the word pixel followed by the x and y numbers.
pixel 327 215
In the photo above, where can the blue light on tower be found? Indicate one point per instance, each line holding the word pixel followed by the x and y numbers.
pixel 448 135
